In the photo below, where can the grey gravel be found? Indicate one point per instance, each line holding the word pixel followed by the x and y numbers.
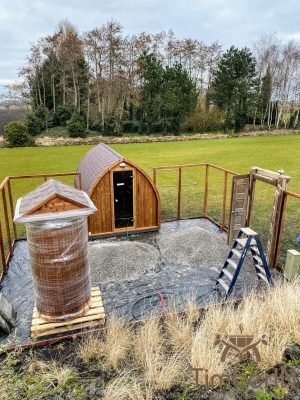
pixel 194 247
pixel 121 260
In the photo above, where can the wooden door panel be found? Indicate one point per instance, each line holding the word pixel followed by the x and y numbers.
pixel 239 205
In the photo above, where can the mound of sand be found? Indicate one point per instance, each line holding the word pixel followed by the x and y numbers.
pixel 195 247
pixel 121 260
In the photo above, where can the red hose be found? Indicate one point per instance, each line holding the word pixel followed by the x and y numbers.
pixel 163 305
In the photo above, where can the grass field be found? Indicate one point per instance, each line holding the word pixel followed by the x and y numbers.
pixel 238 155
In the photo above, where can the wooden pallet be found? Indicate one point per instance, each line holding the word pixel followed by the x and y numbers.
pixel 95 316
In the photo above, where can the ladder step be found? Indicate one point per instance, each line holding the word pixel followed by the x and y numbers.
pixel 226 272
pixel 223 284
pixel 242 242
pixel 236 253
pixel 260 268
pixel 255 249
pixel 248 231
pixel 263 277
pixel 232 263
pixel 258 260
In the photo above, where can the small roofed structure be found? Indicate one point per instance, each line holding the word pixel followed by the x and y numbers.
pixel 55 216
pixel 125 197
pixel 52 197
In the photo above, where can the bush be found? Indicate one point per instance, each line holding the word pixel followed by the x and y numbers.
pixel 112 127
pixel 16 134
pixel 35 124
pixel 62 115
pixel 96 126
pixel 203 121
pixel 76 126
pixel 130 126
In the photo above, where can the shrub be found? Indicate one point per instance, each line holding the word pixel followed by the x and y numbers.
pixel 16 134
pixel 62 115
pixel 35 124
pixel 130 126
pixel 204 120
pixel 76 126
pixel 112 127
pixel 96 126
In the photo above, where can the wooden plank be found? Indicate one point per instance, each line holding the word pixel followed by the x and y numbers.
pixel 239 205
pixel 66 323
pixel 2 251
pixel 93 317
pixel 69 328
pixel 11 205
pixel 179 193
pixel 224 200
pixel 205 205
pixel 91 312
pixel 96 301
pixel 6 219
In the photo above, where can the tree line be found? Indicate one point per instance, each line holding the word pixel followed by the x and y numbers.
pixel 148 83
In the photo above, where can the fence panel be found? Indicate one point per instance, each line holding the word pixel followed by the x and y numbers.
pixel 290 231
pixel 167 185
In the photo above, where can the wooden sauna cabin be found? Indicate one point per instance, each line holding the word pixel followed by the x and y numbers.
pixel 124 195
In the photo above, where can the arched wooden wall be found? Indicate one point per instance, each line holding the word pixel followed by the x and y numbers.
pixel 146 203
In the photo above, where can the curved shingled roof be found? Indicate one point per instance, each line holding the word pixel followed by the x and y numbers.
pixel 94 163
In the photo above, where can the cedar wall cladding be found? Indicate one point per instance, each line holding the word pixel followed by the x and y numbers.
pixel 97 169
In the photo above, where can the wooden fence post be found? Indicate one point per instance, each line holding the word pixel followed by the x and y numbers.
pixel 154 176
pixel 11 206
pixel 6 221
pixel 179 193
pixel 224 200
pixel 2 251
pixel 205 206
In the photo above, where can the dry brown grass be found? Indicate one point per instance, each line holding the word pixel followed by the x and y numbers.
pixel 117 343
pixel 127 387
pixel 55 375
pixel 160 368
pixel 179 332
pixel 91 348
pixel 158 355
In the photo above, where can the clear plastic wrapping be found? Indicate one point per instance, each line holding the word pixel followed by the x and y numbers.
pixel 59 259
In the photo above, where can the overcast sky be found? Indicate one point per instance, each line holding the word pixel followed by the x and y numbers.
pixel 237 22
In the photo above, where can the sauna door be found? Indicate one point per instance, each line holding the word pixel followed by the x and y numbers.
pixel 123 199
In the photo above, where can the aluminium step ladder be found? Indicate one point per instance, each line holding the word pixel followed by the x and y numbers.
pixel 246 239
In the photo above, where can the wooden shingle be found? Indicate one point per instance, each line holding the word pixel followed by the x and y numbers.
pixel 53 197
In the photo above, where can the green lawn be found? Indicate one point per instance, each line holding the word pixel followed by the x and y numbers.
pixel 238 154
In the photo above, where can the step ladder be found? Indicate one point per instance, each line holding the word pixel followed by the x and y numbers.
pixel 246 239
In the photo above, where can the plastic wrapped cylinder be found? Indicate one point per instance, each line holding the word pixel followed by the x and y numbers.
pixel 59 259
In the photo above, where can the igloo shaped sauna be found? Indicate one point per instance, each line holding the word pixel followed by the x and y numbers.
pixel 55 216
pixel 125 197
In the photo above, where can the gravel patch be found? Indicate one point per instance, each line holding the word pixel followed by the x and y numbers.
pixel 195 247
pixel 121 261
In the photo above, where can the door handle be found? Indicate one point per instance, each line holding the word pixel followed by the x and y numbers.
pixel 235 213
